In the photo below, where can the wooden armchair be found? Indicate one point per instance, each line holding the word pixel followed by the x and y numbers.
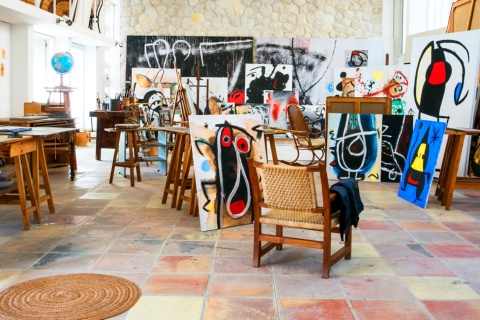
pixel 289 200
pixel 304 138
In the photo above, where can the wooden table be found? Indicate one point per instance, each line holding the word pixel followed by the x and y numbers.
pixel 44 133
pixel 107 119
pixel 39 163
pixel 269 134
pixel 23 188
pixel 68 135
pixel 448 180
pixel 38 121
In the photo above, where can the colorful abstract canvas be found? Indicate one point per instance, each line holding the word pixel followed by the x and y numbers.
pixel 147 82
pixel 314 60
pixel 384 81
pixel 353 146
pixel 220 147
pixel 444 73
pixel 356 58
pixel 396 135
pixel 278 102
pixel 260 77
pixel 421 161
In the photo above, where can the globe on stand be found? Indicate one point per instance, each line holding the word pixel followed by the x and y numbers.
pixel 62 63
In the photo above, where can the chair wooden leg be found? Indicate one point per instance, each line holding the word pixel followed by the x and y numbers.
pixel 348 245
pixel 131 157
pixel 327 254
pixel 279 233
pixel 137 159
pixel 257 245
pixel 115 153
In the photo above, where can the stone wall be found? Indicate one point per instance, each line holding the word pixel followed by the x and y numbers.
pixel 252 18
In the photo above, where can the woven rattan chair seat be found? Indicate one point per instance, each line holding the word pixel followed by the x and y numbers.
pixel 297 219
pixel 316 143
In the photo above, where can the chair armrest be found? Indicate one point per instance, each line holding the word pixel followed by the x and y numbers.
pixel 315 135
pixel 296 132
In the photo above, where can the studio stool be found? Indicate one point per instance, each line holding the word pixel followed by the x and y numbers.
pixel 130 131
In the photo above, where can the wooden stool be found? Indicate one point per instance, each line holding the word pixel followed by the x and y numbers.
pixel 133 161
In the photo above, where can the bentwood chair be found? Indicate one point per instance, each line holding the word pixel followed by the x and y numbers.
pixel 304 138
pixel 286 197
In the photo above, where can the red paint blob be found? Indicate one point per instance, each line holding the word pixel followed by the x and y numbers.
pixel 438 74
pixel 237 207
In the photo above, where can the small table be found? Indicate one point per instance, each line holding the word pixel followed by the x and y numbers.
pixel 270 136
pixel 107 119
pixel 39 161
pixel 448 180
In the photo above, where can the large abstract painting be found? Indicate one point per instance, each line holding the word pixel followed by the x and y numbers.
pixel 353 146
pixel 217 57
pixel 383 81
pixel 313 61
pixel 220 146
pixel 421 161
pixel 444 75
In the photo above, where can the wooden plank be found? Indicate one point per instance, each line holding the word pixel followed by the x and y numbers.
pixel 22 147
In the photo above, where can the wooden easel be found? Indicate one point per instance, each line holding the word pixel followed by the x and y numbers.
pixel 198 86
pixel 464 15
pixel 180 101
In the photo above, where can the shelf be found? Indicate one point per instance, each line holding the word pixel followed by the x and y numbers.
pixel 18 12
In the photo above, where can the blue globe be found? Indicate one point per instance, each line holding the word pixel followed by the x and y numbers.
pixel 62 62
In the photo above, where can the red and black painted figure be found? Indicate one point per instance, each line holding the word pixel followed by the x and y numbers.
pixel 434 72
pixel 230 148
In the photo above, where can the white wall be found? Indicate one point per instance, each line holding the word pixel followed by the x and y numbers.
pixel 7 64
pixel 22 67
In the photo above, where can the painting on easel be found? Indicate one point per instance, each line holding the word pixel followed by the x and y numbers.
pixel 220 147
pixel 421 161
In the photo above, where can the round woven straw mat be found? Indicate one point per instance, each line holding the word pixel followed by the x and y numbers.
pixel 69 297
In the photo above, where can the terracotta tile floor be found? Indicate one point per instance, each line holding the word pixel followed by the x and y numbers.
pixel 407 262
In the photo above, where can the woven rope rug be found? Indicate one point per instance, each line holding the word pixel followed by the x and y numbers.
pixel 69 296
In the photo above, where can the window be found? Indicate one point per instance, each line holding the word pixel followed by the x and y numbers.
pixel 425 15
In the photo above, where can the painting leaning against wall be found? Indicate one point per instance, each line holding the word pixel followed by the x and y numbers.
pixel 421 161
pixel 218 57
pixel 353 145
pixel 396 135
pixel 220 147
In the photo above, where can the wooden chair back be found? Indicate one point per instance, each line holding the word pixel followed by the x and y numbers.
pixel 288 197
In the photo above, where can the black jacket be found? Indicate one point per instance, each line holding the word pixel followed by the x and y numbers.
pixel 349 203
